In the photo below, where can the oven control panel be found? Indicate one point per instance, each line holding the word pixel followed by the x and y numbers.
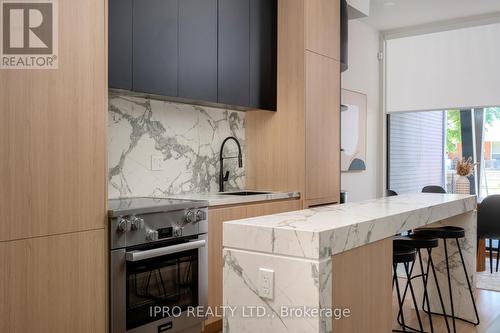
pixel 139 229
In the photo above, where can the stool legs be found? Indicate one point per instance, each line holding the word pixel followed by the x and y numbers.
pixel 398 292
pixel 453 317
pixel 430 265
pixel 425 278
pixel 449 285
pixel 498 255
pixel 409 285
pixel 491 256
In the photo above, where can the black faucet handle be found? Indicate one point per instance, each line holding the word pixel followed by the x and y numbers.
pixel 226 176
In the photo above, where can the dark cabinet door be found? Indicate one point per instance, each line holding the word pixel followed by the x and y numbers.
pixel 198 49
pixel 234 52
pixel 120 44
pixel 155 32
pixel 263 53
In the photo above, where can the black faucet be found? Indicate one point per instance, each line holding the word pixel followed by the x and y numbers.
pixel 222 177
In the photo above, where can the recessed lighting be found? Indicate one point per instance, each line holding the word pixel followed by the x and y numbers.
pixel 389 3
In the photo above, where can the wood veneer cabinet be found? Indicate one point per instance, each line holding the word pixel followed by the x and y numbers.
pixel 322 27
pixel 54 284
pixel 364 288
pixel 298 147
pixel 53 183
pixel 322 128
pixel 53 133
pixel 216 219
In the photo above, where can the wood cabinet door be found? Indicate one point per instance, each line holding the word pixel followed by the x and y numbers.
pixel 322 25
pixel 322 128
pixel 54 284
pixel 273 208
pixel 198 49
pixel 155 49
pixel 120 44
pixel 216 218
pixel 53 133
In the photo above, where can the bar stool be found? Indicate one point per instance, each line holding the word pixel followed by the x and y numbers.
pixel 448 233
pixel 423 242
pixel 406 256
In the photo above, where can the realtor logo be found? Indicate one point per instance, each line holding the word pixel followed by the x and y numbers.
pixel 28 34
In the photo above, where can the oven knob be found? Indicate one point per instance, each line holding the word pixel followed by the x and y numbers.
pixel 178 231
pixel 122 225
pixel 136 223
pixel 152 235
pixel 200 215
pixel 190 216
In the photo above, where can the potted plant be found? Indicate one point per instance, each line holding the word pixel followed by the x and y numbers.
pixel 465 168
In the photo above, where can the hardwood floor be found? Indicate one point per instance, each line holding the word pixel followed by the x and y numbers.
pixel 488 303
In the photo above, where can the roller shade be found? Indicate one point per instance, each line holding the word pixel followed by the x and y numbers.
pixel 444 70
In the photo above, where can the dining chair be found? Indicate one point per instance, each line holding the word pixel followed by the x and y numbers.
pixel 390 193
pixel 433 189
pixel 488 224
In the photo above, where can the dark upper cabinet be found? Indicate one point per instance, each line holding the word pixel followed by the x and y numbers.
pixel 234 52
pixel 155 50
pixel 120 44
pixel 198 49
pixel 221 51
pixel 263 54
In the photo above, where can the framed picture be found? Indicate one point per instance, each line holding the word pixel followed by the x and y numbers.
pixel 353 131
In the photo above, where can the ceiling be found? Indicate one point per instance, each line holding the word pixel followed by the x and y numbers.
pixel 394 14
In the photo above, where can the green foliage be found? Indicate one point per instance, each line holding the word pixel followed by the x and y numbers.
pixel 453 130
pixel 491 114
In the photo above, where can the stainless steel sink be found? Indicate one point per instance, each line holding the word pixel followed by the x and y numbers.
pixel 244 193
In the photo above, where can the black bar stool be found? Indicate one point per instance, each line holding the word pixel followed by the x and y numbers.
pixel 406 256
pixel 423 242
pixel 448 233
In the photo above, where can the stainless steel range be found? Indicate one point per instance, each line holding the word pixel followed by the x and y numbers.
pixel 158 264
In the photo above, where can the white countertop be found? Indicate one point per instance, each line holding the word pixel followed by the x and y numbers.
pixel 217 199
pixel 321 232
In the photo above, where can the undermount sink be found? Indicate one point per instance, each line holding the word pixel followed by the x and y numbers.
pixel 244 193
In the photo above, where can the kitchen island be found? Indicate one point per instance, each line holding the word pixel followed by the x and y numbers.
pixel 330 268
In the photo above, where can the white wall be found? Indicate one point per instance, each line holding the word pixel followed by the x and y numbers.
pixel 444 70
pixel 363 76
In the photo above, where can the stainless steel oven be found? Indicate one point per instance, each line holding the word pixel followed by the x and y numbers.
pixel 158 265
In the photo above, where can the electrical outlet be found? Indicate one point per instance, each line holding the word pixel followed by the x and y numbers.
pixel 266 283
pixel 156 163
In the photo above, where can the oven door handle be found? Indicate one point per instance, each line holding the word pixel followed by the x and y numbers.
pixel 134 256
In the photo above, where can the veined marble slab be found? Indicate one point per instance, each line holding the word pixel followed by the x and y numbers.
pixel 321 232
pixel 298 247
pixel 217 199
pixel 186 137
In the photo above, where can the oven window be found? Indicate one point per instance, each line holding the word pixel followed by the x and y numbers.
pixel 170 281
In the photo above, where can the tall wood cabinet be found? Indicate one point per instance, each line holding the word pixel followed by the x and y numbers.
pixel 53 183
pixel 298 147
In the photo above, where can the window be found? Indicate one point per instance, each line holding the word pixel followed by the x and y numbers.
pixel 424 147
pixel 416 150
pixel 490 161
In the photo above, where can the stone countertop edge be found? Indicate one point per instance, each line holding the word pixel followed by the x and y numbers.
pixel 319 233
pixel 217 199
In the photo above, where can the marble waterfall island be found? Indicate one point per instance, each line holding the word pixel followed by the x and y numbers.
pixel 332 266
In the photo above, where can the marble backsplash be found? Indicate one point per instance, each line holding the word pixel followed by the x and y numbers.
pixel 187 138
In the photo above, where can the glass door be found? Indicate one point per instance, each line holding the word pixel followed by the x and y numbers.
pixel 166 281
